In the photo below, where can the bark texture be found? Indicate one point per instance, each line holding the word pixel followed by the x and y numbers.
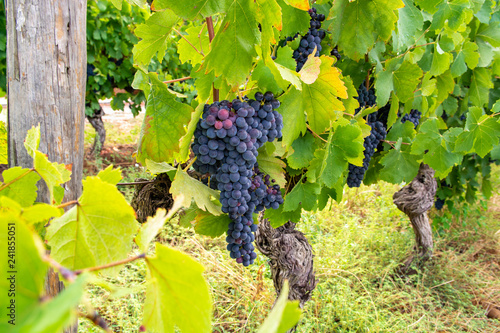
pixel 100 132
pixel 149 197
pixel 46 62
pixel 290 256
pixel 415 199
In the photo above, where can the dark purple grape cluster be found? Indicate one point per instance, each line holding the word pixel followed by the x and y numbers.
pixel 335 53
pixel 225 146
pixel 311 40
pixel 356 173
pixel 267 194
pixel 412 117
pixel 439 203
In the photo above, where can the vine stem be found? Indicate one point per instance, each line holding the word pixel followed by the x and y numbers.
pixel 4 186
pixel 367 80
pixel 113 264
pixel 184 37
pixel 190 164
pixel 177 80
pixel 393 142
pixel 316 135
pixel 69 203
pixel 136 183
pixel 211 34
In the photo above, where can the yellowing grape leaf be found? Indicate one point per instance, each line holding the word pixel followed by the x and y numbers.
pixel 97 231
pixel 176 294
pixel 320 99
pixel 299 4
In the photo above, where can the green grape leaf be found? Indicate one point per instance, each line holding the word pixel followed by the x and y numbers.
pixel 410 21
pixel 266 80
pixel 481 133
pixel 344 146
pixel 53 173
pixel 193 189
pixel 452 12
pixel 176 293
pixel 56 314
pixel 272 166
pixel 98 231
pixel 495 153
pixel 437 147
pixel 268 16
pixel 185 142
pixel 303 152
pixel 193 9
pixel 399 165
pixel 284 315
pixel 153 225
pixel 277 217
pixel 233 47
pixel 320 99
pixel 350 103
pixel 160 133
pixel 117 3
pixel 209 225
pixel 20 185
pixel 154 33
pixel 490 33
pixel 203 83
pixel 468 54
pixel 294 119
pixel 283 75
pixel 3 144
pixel 445 85
pixel 32 141
pixel 293 19
pixel 384 84
pixel 406 79
pixel 303 195
pixel 193 37
pixel 110 175
pixel 40 212
pixel 357 25
pixel 156 168
pixel 480 86
pixel 440 62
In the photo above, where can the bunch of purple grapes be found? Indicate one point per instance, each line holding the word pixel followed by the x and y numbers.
pixel 311 40
pixel 366 98
pixel 412 117
pixel 225 145
pixel 356 173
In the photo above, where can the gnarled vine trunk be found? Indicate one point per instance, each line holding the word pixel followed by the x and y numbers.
pixel 100 132
pixel 290 256
pixel 415 199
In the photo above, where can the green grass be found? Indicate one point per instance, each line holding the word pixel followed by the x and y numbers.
pixel 358 244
